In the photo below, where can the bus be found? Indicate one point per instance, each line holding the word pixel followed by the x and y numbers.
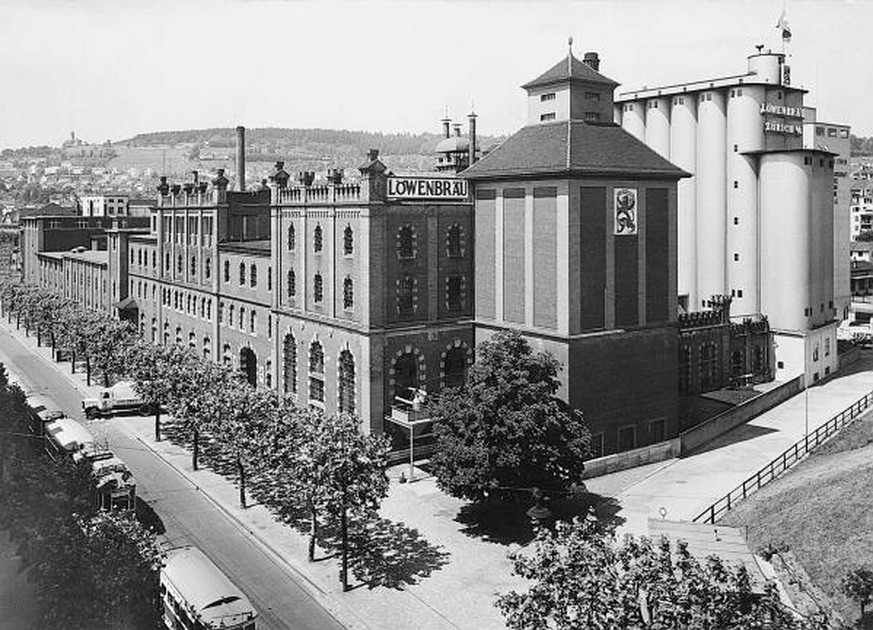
pixel 196 595
pixel 65 436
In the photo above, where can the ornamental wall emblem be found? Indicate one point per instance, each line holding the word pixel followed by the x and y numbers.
pixel 625 211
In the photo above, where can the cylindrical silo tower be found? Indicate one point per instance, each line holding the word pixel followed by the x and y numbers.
pixel 633 119
pixel 786 208
pixel 767 67
pixel 658 125
pixel 683 153
pixel 745 132
pixel 711 153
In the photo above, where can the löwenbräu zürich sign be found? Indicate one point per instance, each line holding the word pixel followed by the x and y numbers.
pixel 427 188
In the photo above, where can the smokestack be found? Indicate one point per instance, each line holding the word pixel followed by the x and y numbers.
pixel 591 60
pixel 447 126
pixel 471 117
pixel 241 157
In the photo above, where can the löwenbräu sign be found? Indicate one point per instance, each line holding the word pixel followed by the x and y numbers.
pixel 427 188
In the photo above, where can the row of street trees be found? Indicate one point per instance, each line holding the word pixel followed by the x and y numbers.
pixel 91 569
pixel 93 336
pixel 300 457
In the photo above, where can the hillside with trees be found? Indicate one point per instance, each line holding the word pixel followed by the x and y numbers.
pixel 861 145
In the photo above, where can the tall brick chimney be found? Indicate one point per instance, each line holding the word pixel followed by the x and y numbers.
pixel 241 157
pixel 592 60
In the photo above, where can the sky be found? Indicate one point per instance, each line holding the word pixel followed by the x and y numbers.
pixel 109 69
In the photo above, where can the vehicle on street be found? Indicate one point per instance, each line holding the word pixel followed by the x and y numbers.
pixel 66 437
pixel 116 486
pixel 42 410
pixel 196 595
pixel 121 397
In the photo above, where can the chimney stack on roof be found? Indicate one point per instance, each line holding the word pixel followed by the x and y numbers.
pixel 457 127
pixel 447 126
pixel 591 60
pixel 241 157
pixel 471 117
pixel 373 154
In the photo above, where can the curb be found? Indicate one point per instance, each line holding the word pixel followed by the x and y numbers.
pixel 316 592
pixel 313 589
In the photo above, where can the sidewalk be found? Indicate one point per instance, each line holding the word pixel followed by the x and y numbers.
pixel 438 578
pixel 685 487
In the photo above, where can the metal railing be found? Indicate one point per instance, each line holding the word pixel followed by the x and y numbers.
pixel 783 462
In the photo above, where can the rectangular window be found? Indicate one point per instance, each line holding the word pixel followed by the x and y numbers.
pixel 547 97
pixel 592 116
pixel 739 293
pixel 844 133
pixel 656 431
pixel 549 116
pixel 592 96
pixel 832 132
pixel 736 220
pixel 819 131
pixel 596 446
pixel 626 438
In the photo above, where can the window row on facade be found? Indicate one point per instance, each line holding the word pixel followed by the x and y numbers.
pixel 406 245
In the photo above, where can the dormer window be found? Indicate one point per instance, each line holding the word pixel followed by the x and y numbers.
pixel 547 117
pixel 547 97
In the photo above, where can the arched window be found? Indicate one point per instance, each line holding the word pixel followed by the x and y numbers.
pixel 227 271
pixel 139 257
pixel 179 335
pixel 455 292
pixel 269 278
pixel 738 362
pixel 456 367
pixel 230 313
pixel 193 271
pixel 406 242
pixel 179 263
pixel 708 367
pixel 207 348
pixel 405 375
pixel 242 318
pixel 454 241
pixel 289 356
pixel 268 373
pixel 220 312
pixel 346 382
pixel 316 372
pixel 226 356
pixel 348 294
pixel 318 239
pixel 348 241
pixel 253 322
pixel 318 288
pixel 406 288
pixel 207 268
pixel 242 274
pixel 292 283
pixel 192 340
pixel 253 275
pixel 292 238
pixel 167 261
pixel 154 260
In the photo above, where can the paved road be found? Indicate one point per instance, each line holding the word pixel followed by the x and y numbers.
pixel 189 518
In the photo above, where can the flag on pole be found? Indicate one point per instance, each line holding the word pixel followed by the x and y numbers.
pixel 786 30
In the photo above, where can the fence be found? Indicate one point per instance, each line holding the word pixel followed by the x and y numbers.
pixel 783 462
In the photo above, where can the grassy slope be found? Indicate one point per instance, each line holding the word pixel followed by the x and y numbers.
pixel 823 509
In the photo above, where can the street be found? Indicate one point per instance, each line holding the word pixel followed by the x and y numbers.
pixel 188 516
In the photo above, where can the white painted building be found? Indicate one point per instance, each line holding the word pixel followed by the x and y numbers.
pixel 104 205
pixel 756 221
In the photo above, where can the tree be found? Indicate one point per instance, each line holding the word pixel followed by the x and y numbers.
pixel 152 368
pixel 334 468
pixel 582 578
pixel 858 586
pixel 240 420
pixel 505 429
pixel 108 340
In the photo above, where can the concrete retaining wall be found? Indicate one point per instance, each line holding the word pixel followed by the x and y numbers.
pixel 705 432
pixel 630 459
pixel 697 436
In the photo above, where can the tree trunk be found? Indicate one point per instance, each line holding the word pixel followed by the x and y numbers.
pixel 157 423
pixel 17 321
pixel 313 531
pixel 88 371
pixel 242 482
pixel 54 348
pixel 105 378
pixel 38 335
pixel 196 451
pixel 72 361
pixel 344 571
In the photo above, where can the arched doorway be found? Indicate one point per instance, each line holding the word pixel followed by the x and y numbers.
pixel 248 365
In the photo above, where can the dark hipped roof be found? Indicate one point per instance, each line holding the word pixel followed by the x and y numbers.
pixel 572 146
pixel 569 69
